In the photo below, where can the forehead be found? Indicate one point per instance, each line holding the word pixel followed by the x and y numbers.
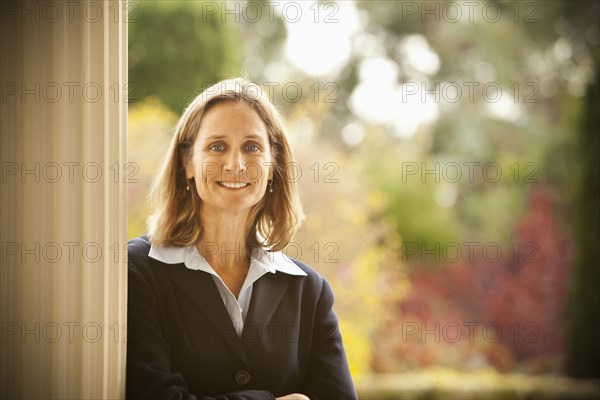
pixel 232 118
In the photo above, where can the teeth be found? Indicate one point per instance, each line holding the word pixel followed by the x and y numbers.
pixel 234 185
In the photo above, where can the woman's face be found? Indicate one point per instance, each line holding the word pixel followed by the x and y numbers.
pixel 231 158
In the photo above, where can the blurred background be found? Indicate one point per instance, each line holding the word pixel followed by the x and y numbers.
pixel 447 162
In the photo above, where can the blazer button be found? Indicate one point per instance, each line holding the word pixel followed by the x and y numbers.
pixel 242 377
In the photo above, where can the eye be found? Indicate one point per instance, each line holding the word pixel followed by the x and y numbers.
pixel 252 148
pixel 217 147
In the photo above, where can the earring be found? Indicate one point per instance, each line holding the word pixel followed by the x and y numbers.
pixel 187 188
pixel 271 186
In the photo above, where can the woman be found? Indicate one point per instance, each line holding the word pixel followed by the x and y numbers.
pixel 215 310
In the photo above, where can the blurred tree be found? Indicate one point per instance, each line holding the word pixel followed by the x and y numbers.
pixel 264 34
pixel 410 200
pixel 179 48
pixel 519 293
pixel 548 45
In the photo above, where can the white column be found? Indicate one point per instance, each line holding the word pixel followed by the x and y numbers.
pixel 63 199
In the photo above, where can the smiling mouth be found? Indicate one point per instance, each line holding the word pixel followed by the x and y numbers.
pixel 233 185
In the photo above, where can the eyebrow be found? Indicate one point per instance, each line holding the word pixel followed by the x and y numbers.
pixel 250 136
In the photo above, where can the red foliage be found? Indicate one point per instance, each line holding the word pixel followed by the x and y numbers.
pixel 522 294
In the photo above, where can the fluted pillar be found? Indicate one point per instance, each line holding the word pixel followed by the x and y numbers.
pixel 63 178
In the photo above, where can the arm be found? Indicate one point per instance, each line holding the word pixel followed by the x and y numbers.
pixel 149 374
pixel 328 372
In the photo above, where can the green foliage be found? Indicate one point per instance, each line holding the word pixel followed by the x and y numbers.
pixel 176 50
pixel 409 199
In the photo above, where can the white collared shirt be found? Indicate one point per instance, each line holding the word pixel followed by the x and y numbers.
pixel 261 262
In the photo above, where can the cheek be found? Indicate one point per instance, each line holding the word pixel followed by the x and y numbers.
pixel 206 168
pixel 257 168
pixel 256 172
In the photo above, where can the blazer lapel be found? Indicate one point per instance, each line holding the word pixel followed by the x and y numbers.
pixel 200 288
pixel 267 293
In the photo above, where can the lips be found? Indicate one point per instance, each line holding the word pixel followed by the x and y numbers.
pixel 233 185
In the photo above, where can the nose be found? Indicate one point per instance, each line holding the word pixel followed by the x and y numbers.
pixel 234 162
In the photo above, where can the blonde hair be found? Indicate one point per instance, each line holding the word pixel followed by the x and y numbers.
pixel 176 220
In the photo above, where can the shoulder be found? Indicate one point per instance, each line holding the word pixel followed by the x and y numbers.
pixel 139 246
pixel 315 280
pixel 138 250
pixel 311 273
pixel 142 270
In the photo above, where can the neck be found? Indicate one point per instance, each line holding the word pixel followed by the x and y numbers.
pixel 223 242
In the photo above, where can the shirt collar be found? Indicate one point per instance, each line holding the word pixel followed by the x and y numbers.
pixel 270 261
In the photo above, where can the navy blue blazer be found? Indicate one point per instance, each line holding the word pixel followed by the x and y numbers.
pixel 181 343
